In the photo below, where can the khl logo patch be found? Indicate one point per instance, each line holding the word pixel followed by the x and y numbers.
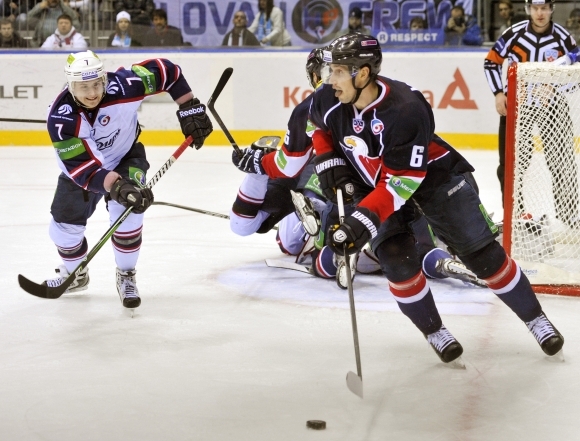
pixel 358 125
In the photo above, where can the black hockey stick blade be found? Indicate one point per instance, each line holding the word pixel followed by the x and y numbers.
pixel 220 86
pixel 211 106
pixel 354 383
pixel 45 292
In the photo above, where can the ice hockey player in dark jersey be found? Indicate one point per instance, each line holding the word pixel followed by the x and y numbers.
pixel 375 140
pixel 94 129
pixel 264 197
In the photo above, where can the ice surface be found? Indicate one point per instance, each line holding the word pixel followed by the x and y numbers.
pixel 224 348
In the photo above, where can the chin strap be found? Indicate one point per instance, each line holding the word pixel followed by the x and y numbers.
pixel 359 89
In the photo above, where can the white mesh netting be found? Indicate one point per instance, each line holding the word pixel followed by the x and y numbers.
pixel 545 218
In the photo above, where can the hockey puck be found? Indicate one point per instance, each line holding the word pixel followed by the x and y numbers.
pixel 316 424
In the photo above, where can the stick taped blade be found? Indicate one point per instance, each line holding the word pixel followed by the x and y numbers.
pixel 354 383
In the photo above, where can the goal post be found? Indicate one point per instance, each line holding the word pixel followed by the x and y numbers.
pixel 541 189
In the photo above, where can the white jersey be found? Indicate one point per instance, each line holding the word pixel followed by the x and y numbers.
pixel 89 144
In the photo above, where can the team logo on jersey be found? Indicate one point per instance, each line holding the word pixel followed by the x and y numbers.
pixel 377 126
pixel 112 87
pixel 358 125
pixel 104 119
pixel 551 55
pixel 357 152
pixel 104 142
pixel 65 109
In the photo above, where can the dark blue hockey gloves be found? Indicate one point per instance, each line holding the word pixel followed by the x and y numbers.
pixel 333 173
pixel 355 232
pixel 194 121
pixel 250 160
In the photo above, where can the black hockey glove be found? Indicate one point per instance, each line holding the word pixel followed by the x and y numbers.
pixel 194 121
pixel 126 193
pixel 332 174
pixel 356 230
pixel 251 160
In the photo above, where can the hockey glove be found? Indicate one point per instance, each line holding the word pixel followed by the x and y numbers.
pixel 194 121
pixel 126 193
pixel 250 160
pixel 355 232
pixel 332 174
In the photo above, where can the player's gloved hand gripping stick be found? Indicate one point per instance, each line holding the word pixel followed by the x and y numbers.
pixel 42 290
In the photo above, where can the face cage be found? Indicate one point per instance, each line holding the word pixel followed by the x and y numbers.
pixel 70 89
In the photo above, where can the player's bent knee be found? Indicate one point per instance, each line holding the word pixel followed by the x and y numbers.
pixel 65 235
pixel 486 261
pixel 244 226
pixel 398 257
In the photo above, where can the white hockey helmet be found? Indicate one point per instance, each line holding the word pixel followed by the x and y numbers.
pixel 84 66
pixel 539 2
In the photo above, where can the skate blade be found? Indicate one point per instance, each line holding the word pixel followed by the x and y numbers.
pixel 456 364
pixel 558 357
pixel 354 383
pixel 130 312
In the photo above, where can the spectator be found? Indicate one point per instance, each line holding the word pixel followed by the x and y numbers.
pixel 161 34
pixel 65 37
pixel 268 25
pixel 417 24
pixel 8 37
pixel 355 23
pixel 16 10
pixel 140 10
pixel 573 23
pixel 44 18
pixel 462 29
pixel 239 35
pixel 123 35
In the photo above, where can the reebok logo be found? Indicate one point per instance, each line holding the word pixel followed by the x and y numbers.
pixel 192 111
pixel 334 162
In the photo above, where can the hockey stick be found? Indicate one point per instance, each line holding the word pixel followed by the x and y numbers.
pixel 197 210
pixel 40 121
pixel 211 103
pixel 47 292
pixel 353 381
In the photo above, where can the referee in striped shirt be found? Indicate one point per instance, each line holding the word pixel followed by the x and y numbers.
pixel 536 39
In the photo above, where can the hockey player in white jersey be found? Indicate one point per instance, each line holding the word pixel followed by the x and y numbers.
pixel 94 129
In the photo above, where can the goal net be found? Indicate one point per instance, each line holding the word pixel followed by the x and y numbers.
pixel 542 194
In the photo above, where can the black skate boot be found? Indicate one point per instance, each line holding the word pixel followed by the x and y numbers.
pixel 444 344
pixel 548 337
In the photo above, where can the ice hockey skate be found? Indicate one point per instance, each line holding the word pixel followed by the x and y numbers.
pixel 446 347
pixel 547 336
pixel 306 213
pixel 127 288
pixel 457 270
pixel 80 283
pixel 341 277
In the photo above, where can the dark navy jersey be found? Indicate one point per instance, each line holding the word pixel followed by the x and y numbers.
pixel 390 146
pixel 90 144
pixel 297 149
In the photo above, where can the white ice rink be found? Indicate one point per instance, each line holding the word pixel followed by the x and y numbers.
pixel 224 348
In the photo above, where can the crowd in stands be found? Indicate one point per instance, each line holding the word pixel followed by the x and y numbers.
pixel 64 24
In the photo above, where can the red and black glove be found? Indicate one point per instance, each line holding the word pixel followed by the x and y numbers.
pixel 333 173
pixel 356 230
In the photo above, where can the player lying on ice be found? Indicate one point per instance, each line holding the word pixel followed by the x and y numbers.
pixel 375 141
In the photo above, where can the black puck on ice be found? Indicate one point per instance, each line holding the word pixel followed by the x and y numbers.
pixel 316 424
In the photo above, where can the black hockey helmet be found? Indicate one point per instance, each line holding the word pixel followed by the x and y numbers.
pixel 552 3
pixel 314 64
pixel 357 50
